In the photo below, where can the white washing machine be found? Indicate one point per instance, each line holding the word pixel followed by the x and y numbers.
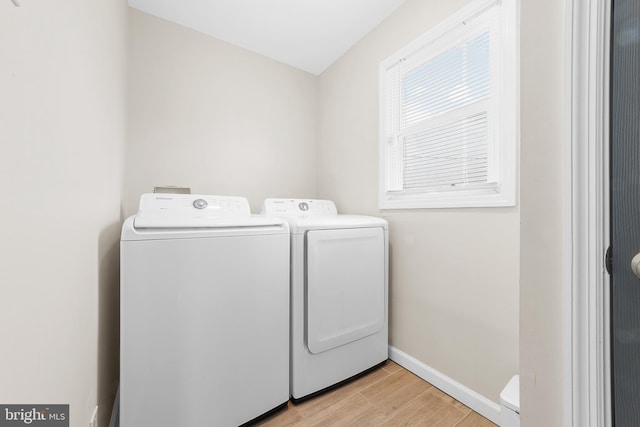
pixel 204 329
pixel 339 293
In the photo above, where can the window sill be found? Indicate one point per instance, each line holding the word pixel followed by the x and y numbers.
pixel 484 198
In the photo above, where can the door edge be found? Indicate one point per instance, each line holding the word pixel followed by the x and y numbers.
pixel 586 373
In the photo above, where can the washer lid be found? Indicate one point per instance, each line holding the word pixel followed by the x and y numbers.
pixel 159 210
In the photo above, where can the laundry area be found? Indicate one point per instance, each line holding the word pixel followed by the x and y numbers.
pixel 224 316
pixel 205 229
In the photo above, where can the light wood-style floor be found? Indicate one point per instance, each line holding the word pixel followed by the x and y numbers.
pixel 388 396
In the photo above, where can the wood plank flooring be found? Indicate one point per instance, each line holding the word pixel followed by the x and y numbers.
pixel 389 396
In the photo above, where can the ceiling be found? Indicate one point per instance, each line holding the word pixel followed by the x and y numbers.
pixel 306 34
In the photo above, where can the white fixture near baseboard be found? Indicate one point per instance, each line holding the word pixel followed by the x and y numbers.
pixel 94 418
pixel 510 403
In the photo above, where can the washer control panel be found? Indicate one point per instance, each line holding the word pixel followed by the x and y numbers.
pixel 189 209
pixel 302 207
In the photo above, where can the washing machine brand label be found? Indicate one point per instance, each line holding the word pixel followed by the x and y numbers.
pixel 34 415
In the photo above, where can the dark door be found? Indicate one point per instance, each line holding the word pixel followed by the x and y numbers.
pixel 625 211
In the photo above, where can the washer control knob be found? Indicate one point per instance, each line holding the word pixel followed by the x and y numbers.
pixel 303 206
pixel 200 203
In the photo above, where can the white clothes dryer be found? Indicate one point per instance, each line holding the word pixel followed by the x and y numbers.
pixel 339 293
pixel 204 310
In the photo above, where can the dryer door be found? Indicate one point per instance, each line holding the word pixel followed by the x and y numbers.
pixel 345 298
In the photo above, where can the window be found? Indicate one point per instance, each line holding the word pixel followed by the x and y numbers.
pixel 449 113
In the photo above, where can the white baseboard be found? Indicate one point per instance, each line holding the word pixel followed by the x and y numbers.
pixel 473 400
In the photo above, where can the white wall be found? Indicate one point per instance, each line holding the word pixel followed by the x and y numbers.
pixel 62 131
pixel 544 122
pixel 454 272
pixel 214 117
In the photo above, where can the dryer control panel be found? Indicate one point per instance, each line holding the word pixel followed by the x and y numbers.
pixel 299 207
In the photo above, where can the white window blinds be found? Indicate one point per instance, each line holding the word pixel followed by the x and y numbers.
pixel 448 155
pixel 454 79
pixel 453 153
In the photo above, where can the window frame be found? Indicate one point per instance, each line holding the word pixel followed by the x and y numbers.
pixel 503 126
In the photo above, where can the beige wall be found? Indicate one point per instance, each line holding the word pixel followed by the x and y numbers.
pixel 454 273
pixel 543 128
pixel 215 117
pixel 62 132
